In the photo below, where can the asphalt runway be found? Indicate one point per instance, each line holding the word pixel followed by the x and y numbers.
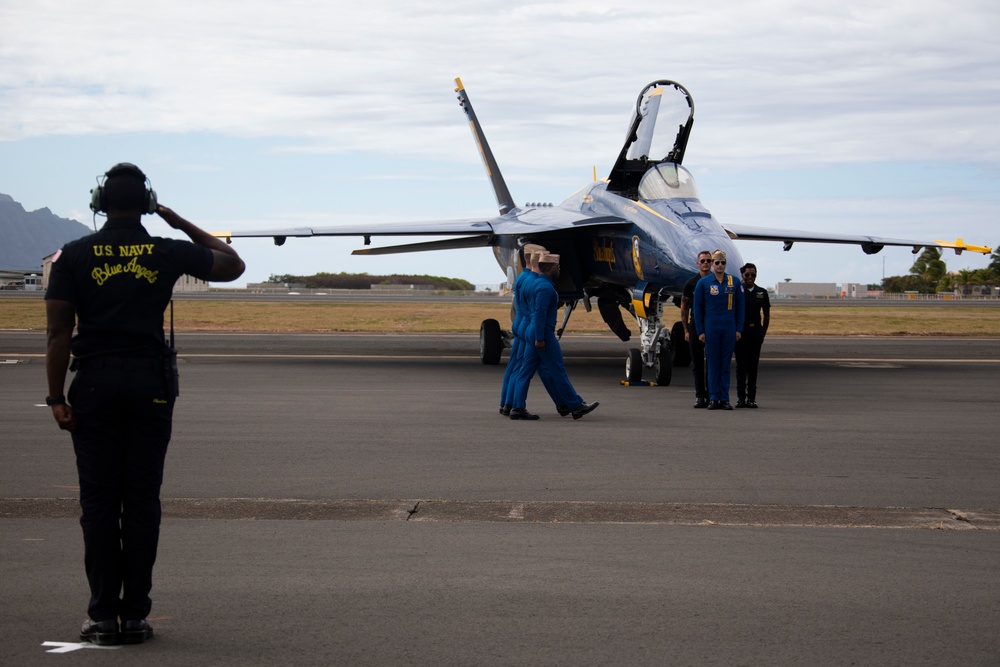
pixel 357 500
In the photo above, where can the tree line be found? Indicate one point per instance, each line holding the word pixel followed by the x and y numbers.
pixel 365 281
pixel 929 275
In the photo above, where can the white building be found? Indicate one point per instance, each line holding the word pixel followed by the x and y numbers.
pixel 813 290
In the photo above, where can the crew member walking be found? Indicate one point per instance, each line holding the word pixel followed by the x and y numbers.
pixel 523 299
pixel 114 286
pixel 545 354
pixel 755 321
pixel 718 315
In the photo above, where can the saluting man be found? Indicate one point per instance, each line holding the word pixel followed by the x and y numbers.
pixel 113 286
pixel 718 315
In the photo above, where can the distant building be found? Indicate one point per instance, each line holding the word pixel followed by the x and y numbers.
pixel 814 290
pixel 854 291
pixel 19 279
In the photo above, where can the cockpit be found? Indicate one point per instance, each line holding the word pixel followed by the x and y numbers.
pixel 667 180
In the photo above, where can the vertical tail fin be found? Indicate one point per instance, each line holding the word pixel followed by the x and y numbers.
pixel 504 200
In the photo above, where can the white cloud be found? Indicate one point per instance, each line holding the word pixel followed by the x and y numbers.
pixel 778 84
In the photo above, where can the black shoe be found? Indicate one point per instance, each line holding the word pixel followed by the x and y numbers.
pixel 584 409
pixel 701 403
pixel 563 411
pixel 102 633
pixel 714 405
pixel 752 404
pixel 136 632
pixel 725 405
pixel 741 403
pixel 505 410
pixel 521 413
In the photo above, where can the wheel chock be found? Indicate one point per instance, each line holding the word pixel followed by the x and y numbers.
pixel 640 383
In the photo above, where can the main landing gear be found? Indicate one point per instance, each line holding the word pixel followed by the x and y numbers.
pixel 493 339
pixel 491 342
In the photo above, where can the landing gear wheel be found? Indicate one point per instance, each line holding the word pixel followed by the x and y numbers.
pixel 490 342
pixel 679 349
pixel 633 366
pixel 663 368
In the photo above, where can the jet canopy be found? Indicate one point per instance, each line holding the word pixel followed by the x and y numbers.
pixel 662 105
pixel 667 180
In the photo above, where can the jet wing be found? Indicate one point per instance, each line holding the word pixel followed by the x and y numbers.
pixel 471 233
pixel 869 244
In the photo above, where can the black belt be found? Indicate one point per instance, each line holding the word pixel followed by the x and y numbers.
pixel 124 363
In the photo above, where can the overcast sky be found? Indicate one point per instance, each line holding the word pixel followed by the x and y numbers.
pixel 853 117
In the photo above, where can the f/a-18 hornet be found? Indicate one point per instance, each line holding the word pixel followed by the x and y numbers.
pixel 630 240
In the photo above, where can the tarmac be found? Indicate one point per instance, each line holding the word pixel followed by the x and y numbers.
pixel 343 499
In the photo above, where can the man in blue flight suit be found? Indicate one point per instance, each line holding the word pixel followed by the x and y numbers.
pixel 755 322
pixel 718 316
pixel 523 304
pixel 545 354
pixel 522 300
pixel 113 286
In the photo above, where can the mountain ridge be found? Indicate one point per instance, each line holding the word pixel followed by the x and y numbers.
pixel 26 237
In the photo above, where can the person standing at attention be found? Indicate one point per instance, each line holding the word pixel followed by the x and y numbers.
pixel 755 321
pixel 718 315
pixel 690 335
pixel 113 287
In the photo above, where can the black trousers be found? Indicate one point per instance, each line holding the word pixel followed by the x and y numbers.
pixel 124 419
pixel 747 354
pixel 698 364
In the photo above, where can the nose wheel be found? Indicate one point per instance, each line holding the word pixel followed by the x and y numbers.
pixel 662 367
pixel 633 366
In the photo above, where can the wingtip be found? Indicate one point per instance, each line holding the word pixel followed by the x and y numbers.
pixel 958 245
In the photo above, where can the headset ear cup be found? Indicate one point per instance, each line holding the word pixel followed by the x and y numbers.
pixel 97 199
pixel 151 201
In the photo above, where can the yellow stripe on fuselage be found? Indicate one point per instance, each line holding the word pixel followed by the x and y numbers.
pixel 654 212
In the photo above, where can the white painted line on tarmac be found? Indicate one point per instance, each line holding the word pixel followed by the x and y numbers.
pixel 69 647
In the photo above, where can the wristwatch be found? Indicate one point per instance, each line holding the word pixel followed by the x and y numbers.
pixel 56 400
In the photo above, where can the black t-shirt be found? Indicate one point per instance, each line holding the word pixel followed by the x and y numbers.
pixel 756 300
pixel 688 294
pixel 120 281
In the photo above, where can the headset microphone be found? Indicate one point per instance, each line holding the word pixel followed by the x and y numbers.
pixel 98 198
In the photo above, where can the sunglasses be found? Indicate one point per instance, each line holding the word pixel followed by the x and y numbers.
pixel 704 261
pixel 718 263
pixel 749 275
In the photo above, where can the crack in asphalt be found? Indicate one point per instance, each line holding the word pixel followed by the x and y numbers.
pixel 528 512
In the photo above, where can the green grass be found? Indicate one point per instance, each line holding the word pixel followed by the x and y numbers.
pixel 432 317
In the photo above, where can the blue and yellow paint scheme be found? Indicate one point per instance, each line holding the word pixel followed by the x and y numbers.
pixel 630 240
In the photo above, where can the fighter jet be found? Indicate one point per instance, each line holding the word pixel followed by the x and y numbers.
pixel 629 241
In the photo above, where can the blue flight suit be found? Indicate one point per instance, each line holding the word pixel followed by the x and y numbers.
pixel 521 288
pixel 548 362
pixel 524 296
pixel 718 313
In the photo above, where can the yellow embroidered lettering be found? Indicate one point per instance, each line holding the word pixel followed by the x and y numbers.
pixel 135 250
pixel 101 275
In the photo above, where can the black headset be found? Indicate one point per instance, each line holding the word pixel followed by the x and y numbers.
pixel 98 203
